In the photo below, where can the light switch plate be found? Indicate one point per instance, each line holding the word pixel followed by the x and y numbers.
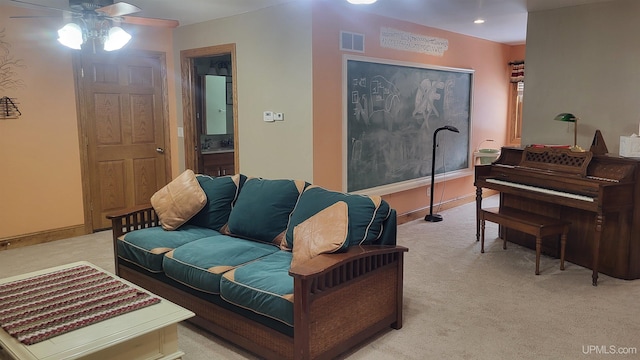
pixel 268 116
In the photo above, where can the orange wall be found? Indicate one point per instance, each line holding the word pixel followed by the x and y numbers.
pixel 40 179
pixel 517 52
pixel 490 92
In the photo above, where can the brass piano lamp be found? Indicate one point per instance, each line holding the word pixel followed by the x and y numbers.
pixel 568 117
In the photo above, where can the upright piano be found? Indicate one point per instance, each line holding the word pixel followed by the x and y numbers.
pixel 598 194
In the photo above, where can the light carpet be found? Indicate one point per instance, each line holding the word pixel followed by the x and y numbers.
pixel 458 303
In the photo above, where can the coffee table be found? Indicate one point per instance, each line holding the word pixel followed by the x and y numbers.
pixel 147 333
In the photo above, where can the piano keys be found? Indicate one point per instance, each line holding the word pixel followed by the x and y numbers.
pixel 598 194
pixel 541 190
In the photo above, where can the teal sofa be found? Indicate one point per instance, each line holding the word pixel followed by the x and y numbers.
pixel 282 268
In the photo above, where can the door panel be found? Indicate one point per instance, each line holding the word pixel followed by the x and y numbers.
pixel 145 171
pixel 111 193
pixel 107 119
pixel 124 126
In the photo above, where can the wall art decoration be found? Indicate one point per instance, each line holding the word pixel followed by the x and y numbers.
pixel 9 79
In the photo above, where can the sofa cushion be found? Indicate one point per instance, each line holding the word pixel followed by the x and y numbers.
pixel 263 286
pixel 179 200
pixel 263 208
pixel 146 247
pixel 324 232
pixel 200 263
pixel 221 193
pixel 366 213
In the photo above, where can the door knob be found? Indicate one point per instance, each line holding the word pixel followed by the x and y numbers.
pixel 160 150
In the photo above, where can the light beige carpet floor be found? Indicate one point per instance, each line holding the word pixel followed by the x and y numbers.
pixel 459 303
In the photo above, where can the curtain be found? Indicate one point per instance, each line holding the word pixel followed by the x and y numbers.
pixel 517 71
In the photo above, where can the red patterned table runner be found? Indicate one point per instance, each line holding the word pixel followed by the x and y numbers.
pixel 44 306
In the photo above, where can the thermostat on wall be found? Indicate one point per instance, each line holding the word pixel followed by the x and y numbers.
pixel 268 116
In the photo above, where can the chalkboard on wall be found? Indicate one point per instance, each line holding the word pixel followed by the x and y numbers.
pixel 392 111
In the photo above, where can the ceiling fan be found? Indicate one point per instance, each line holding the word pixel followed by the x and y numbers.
pixel 117 11
pixel 93 21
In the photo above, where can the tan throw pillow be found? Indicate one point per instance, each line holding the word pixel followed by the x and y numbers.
pixel 179 200
pixel 324 232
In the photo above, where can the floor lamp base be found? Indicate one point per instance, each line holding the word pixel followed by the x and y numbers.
pixel 433 218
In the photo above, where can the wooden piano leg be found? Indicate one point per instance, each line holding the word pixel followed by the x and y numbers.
pixel 482 225
pixel 596 248
pixel 563 245
pixel 538 249
pixel 478 208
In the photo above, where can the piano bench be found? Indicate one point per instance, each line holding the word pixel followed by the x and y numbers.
pixel 533 224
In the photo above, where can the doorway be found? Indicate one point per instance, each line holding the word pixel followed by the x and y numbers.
pixel 197 67
pixel 123 129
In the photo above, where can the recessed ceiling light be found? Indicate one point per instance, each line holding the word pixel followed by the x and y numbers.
pixel 478 21
pixel 362 2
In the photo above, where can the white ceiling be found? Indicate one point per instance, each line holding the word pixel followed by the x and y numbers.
pixel 506 20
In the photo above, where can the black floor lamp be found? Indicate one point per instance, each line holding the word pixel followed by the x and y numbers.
pixel 436 217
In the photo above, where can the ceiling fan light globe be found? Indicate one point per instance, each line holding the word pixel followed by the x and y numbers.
pixel 117 39
pixel 70 36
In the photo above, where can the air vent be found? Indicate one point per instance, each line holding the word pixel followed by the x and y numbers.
pixel 351 41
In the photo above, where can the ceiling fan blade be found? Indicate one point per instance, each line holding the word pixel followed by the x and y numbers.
pixel 42 7
pixel 136 20
pixel 34 17
pixel 118 9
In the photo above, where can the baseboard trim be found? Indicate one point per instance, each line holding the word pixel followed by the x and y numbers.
pixel 421 213
pixel 41 237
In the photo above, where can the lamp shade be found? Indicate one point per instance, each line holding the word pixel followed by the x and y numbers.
pixel 70 36
pixel 117 39
pixel 567 117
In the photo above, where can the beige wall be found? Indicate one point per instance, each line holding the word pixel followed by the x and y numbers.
pixel 273 56
pixel 583 60
pixel 40 179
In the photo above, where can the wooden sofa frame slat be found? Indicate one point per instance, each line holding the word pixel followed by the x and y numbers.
pixel 328 321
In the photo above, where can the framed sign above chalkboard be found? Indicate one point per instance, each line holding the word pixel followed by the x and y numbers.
pixel 391 110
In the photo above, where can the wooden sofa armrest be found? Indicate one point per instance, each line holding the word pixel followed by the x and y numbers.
pixel 325 263
pixel 128 211
pixel 130 219
pixel 356 294
pixel 126 220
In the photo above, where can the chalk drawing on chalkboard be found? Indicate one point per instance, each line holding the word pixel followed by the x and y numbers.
pixel 392 110
pixel 426 94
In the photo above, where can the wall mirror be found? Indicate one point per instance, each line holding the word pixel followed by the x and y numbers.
pixel 214 83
